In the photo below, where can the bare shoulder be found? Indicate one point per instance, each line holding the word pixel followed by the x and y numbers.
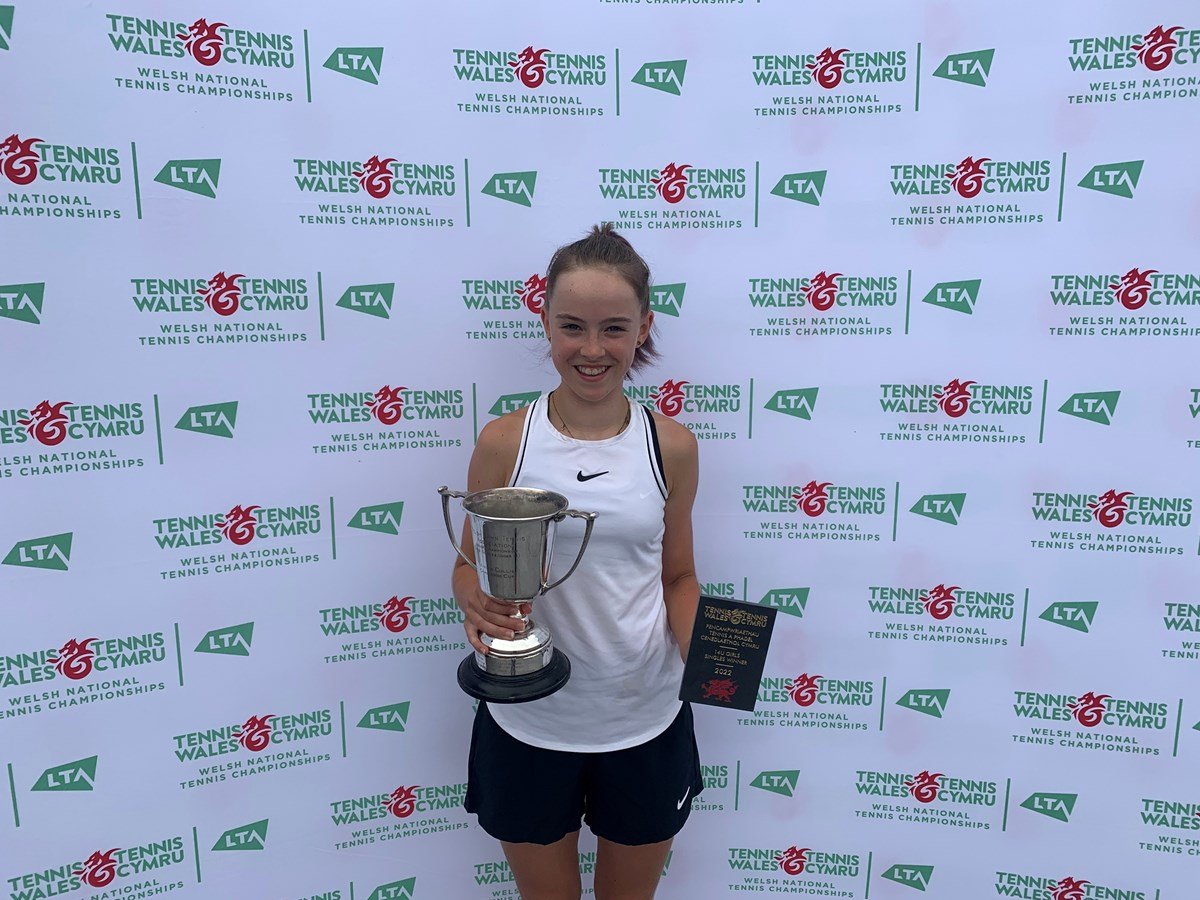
pixel 679 449
pixel 496 450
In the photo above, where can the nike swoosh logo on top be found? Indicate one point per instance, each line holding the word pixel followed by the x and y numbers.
pixel 582 477
pixel 679 805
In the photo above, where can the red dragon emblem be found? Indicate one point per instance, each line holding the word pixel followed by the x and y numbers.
pixel 388 405
pixel 376 176
pixel 1133 290
pixel 47 423
pixel 822 291
pixel 924 787
pixel 1088 710
pixel 239 524
pixel 394 614
pixel 1110 508
pixel 967 177
pixel 255 734
pixel 803 689
pixel 955 398
pixel 530 66
pixel 99 869
pixel 939 602
pixel 828 67
pixel 20 160
pixel 1157 50
pixel 403 801
pixel 813 497
pixel 793 860
pixel 721 689
pixel 75 658
pixel 1068 889
pixel 669 398
pixel 203 42
pixel 533 294
pixel 223 295
pixel 671 182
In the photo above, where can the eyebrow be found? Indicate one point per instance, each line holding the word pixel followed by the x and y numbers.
pixel 567 317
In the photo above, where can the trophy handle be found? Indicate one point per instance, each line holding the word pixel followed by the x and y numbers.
pixel 446 495
pixel 591 520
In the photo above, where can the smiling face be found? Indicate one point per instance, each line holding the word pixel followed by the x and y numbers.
pixel 595 325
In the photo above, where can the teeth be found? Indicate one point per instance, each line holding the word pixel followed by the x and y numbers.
pixel 590 370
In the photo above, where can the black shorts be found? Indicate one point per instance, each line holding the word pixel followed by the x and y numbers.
pixel 640 795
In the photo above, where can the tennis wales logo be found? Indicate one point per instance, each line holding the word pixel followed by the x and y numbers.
pixel 671 183
pixel 1133 290
pixel 19 160
pixel 967 177
pixel 533 294
pixel 803 689
pixel 1088 709
pixel 394 614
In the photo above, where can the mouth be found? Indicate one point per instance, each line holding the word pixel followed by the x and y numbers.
pixel 592 372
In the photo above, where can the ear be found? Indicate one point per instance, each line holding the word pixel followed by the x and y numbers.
pixel 544 315
pixel 644 328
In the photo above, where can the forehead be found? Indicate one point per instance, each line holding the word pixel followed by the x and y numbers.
pixel 592 291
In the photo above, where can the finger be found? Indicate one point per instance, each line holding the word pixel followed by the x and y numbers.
pixel 500 629
pixel 474 641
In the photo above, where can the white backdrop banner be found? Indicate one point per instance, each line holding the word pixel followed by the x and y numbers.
pixel 927 288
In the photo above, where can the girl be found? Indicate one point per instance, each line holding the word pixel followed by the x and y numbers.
pixel 615 747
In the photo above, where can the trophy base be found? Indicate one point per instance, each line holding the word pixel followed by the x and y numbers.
pixel 514 688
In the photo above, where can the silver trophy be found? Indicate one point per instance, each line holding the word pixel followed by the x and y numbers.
pixel 512 529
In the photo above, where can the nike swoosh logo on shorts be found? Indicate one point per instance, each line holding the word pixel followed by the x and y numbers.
pixel 679 805
pixel 582 477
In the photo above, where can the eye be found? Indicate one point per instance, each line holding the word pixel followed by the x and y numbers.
pixel 616 327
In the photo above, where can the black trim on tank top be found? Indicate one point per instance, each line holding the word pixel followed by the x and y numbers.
pixel 655 454
pixel 524 441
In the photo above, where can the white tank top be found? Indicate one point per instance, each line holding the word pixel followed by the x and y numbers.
pixel 609 616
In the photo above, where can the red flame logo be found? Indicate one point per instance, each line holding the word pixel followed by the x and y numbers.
pixel 223 295
pixel 669 397
pixel 828 67
pixel 403 801
pixel 671 182
pixel 255 734
pixel 47 422
pixel 1068 889
pixel 99 869
pixel 239 523
pixel 394 614
pixel 924 787
pixel 1133 290
pixel 813 497
pixel 530 66
pixel 803 689
pixel 375 177
pixel 75 659
pixel 721 689
pixel 203 42
pixel 793 860
pixel 388 405
pixel 1088 710
pixel 967 177
pixel 533 294
pixel 822 291
pixel 19 159
pixel 939 602
pixel 1158 47
pixel 955 398
pixel 1110 508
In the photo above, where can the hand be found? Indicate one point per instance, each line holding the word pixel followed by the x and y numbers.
pixel 487 615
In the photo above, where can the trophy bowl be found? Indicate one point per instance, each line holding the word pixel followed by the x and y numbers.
pixel 512 532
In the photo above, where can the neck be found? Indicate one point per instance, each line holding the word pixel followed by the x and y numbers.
pixel 588 421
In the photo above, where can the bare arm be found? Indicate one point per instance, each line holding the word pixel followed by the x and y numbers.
pixel 681 588
pixel 491 466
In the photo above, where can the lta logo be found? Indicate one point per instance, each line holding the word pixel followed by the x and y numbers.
pixel 1088 710
pixel 924 787
pixel 18 159
pixel 671 183
pixel 202 42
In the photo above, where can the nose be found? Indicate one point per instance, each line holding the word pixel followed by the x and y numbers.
pixel 591 347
